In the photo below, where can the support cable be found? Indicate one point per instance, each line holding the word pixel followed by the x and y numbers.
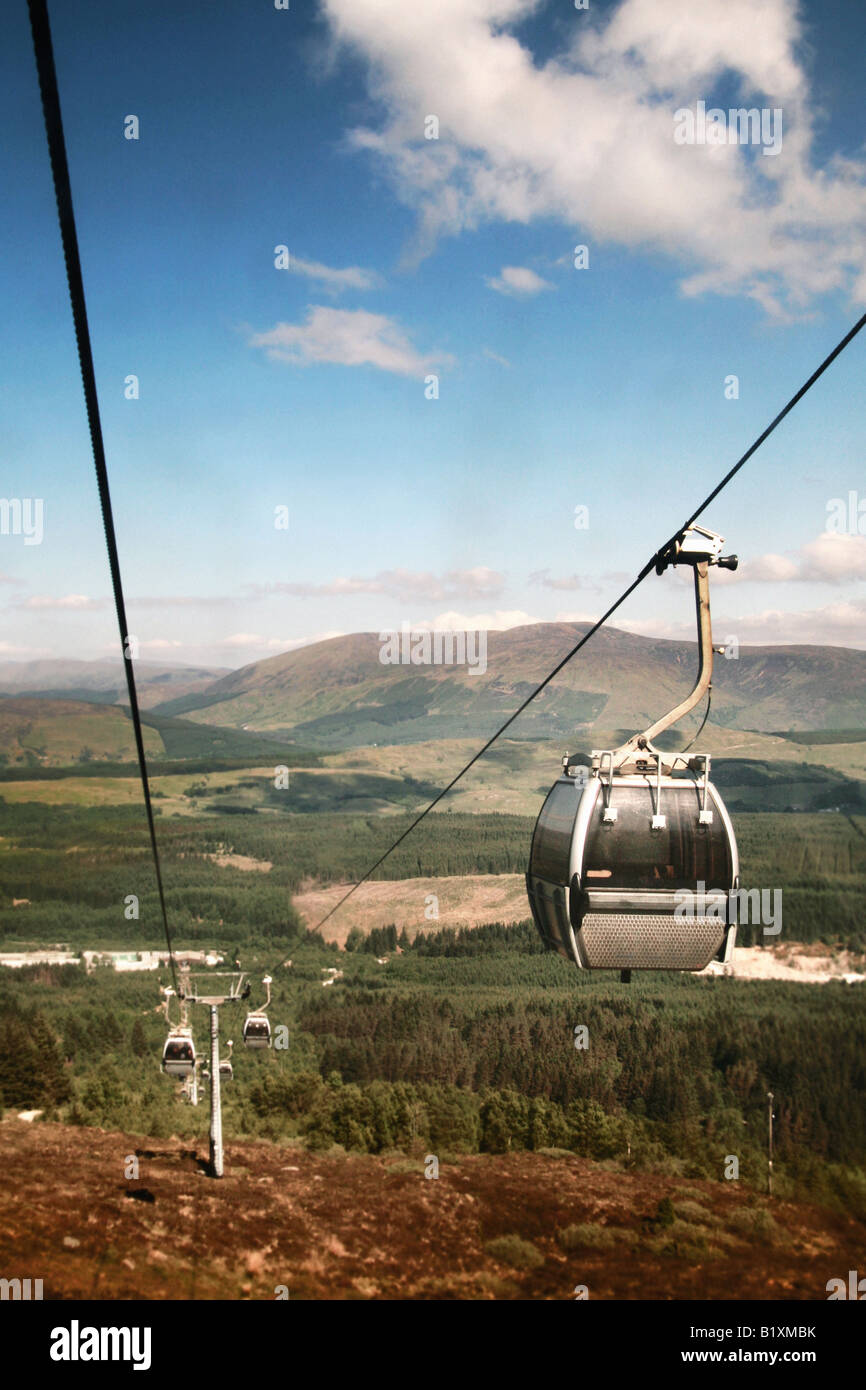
pixel 44 52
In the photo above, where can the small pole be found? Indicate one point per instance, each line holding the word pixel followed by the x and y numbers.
pixel 216 1117
pixel 770 1149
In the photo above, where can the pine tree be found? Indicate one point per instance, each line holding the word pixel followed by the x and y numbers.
pixel 138 1039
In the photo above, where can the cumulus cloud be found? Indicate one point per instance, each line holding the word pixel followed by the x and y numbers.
pixel 255 641
pixel 577 616
pixel 15 649
pixel 586 136
pixel 348 338
pixel 182 601
pixel 517 280
pixel 240 639
pixel 832 558
pixel 835 625
pixel 572 582
pixel 499 621
pixel 291 644
pixel 840 624
pixel 352 277
pixel 401 584
pixel 543 579
pixel 67 601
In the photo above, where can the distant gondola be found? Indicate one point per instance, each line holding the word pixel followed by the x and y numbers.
pixel 257 1027
pixel 178 1055
pixel 257 1031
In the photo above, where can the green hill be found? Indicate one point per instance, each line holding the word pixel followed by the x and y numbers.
pixel 38 732
pixel 339 694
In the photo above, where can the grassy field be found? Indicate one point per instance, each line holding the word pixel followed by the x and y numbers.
pixel 754 772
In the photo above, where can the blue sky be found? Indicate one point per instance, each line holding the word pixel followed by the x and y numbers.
pixel 305 388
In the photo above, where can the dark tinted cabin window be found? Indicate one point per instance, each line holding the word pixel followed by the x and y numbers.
pixel 629 854
pixel 551 844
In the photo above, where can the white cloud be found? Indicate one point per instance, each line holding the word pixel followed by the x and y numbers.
pixel 586 136
pixel 15 649
pixel 74 601
pixel 240 639
pixel 577 582
pixel 349 338
pixel 832 558
pixel 835 625
pixel 571 581
pixel 517 280
pixel 495 357
pixel 254 641
pixel 182 601
pixel 405 585
pixel 578 616
pixel 764 569
pixel 353 277
pixel 291 644
pixel 498 621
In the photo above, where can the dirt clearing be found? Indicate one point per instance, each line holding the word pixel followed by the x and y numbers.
pixel 463 901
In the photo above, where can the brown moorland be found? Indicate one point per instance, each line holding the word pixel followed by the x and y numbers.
pixel 337 1226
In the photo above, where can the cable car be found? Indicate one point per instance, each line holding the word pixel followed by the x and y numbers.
pixel 257 1030
pixel 226 1068
pixel 257 1027
pixel 178 1055
pixel 633 864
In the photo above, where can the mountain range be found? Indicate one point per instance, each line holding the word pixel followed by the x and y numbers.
pixel 340 694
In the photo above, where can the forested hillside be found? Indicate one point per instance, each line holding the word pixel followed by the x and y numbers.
pixel 74 867
pixel 469 1045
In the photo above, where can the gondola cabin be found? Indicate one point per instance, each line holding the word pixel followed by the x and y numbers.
pixel 633 864
pixel 257 1031
pixel 634 872
pixel 178 1055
